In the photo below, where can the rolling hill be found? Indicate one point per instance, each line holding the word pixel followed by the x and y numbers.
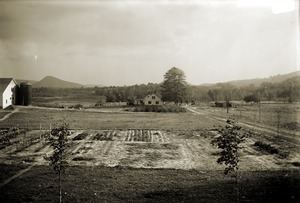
pixel 259 81
pixel 256 81
pixel 53 82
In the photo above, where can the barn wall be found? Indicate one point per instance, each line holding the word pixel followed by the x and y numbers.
pixel 7 99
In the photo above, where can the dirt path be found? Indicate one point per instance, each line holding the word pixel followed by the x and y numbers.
pixel 8 115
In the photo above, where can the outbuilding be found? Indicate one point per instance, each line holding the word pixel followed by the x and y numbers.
pixel 8 87
pixel 12 93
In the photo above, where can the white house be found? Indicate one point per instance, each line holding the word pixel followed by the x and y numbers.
pixel 7 86
pixel 152 99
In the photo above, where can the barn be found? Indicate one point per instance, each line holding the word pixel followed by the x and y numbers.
pixel 152 99
pixel 7 92
pixel 12 93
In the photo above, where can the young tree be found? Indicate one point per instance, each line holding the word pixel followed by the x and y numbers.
pixel 58 142
pixel 229 140
pixel 174 87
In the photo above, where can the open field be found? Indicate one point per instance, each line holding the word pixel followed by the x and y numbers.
pixel 115 166
pixel 286 115
pixel 113 154
pixel 144 149
pixel 102 184
pixel 33 118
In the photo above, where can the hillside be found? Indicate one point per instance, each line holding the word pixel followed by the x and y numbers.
pixel 52 82
pixel 259 81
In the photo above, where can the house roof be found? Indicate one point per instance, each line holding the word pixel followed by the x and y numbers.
pixel 150 95
pixel 4 82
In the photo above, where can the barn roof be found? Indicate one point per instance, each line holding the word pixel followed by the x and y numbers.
pixel 4 82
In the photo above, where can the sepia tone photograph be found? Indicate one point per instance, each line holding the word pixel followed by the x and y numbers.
pixel 149 101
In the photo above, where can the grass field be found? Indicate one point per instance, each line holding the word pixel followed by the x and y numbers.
pixel 33 118
pixel 102 184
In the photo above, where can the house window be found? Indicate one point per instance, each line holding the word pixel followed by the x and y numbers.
pixel 153 97
pixel 149 102
pixel 157 102
pixel 6 100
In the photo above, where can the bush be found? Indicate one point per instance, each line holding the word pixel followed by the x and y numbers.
pixel 266 147
pixel 159 108
pixel 77 106
pixel 251 98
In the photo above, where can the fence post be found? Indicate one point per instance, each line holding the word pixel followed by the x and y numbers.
pixel 278 122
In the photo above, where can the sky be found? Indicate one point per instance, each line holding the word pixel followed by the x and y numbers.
pixel 136 41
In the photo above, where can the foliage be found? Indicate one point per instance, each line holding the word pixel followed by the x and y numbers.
pixel 76 106
pixel 127 93
pixel 251 98
pixel 229 140
pixel 101 101
pixel 174 87
pixel 266 147
pixel 286 90
pixel 159 108
pixel 58 142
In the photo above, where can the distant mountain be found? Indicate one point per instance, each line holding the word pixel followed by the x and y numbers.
pixel 258 81
pixel 52 82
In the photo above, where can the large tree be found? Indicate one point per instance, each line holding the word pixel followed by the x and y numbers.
pixel 174 87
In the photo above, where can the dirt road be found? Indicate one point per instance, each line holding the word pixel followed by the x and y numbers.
pixel 284 134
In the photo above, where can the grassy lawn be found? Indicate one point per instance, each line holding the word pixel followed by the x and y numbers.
pixel 32 118
pixel 101 184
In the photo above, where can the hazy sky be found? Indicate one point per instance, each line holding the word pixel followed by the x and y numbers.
pixel 117 43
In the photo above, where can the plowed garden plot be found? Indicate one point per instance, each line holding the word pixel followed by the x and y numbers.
pixel 139 148
pixel 104 136
pixel 139 135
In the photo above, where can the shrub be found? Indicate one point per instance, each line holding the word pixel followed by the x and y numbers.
pixel 159 108
pixel 266 147
pixel 251 98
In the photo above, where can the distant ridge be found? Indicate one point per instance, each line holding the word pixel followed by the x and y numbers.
pixel 256 81
pixel 53 82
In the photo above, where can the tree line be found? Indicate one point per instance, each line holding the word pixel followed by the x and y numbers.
pixel 174 88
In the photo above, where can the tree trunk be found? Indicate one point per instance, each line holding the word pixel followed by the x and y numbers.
pixel 60 195
pixel 237 186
